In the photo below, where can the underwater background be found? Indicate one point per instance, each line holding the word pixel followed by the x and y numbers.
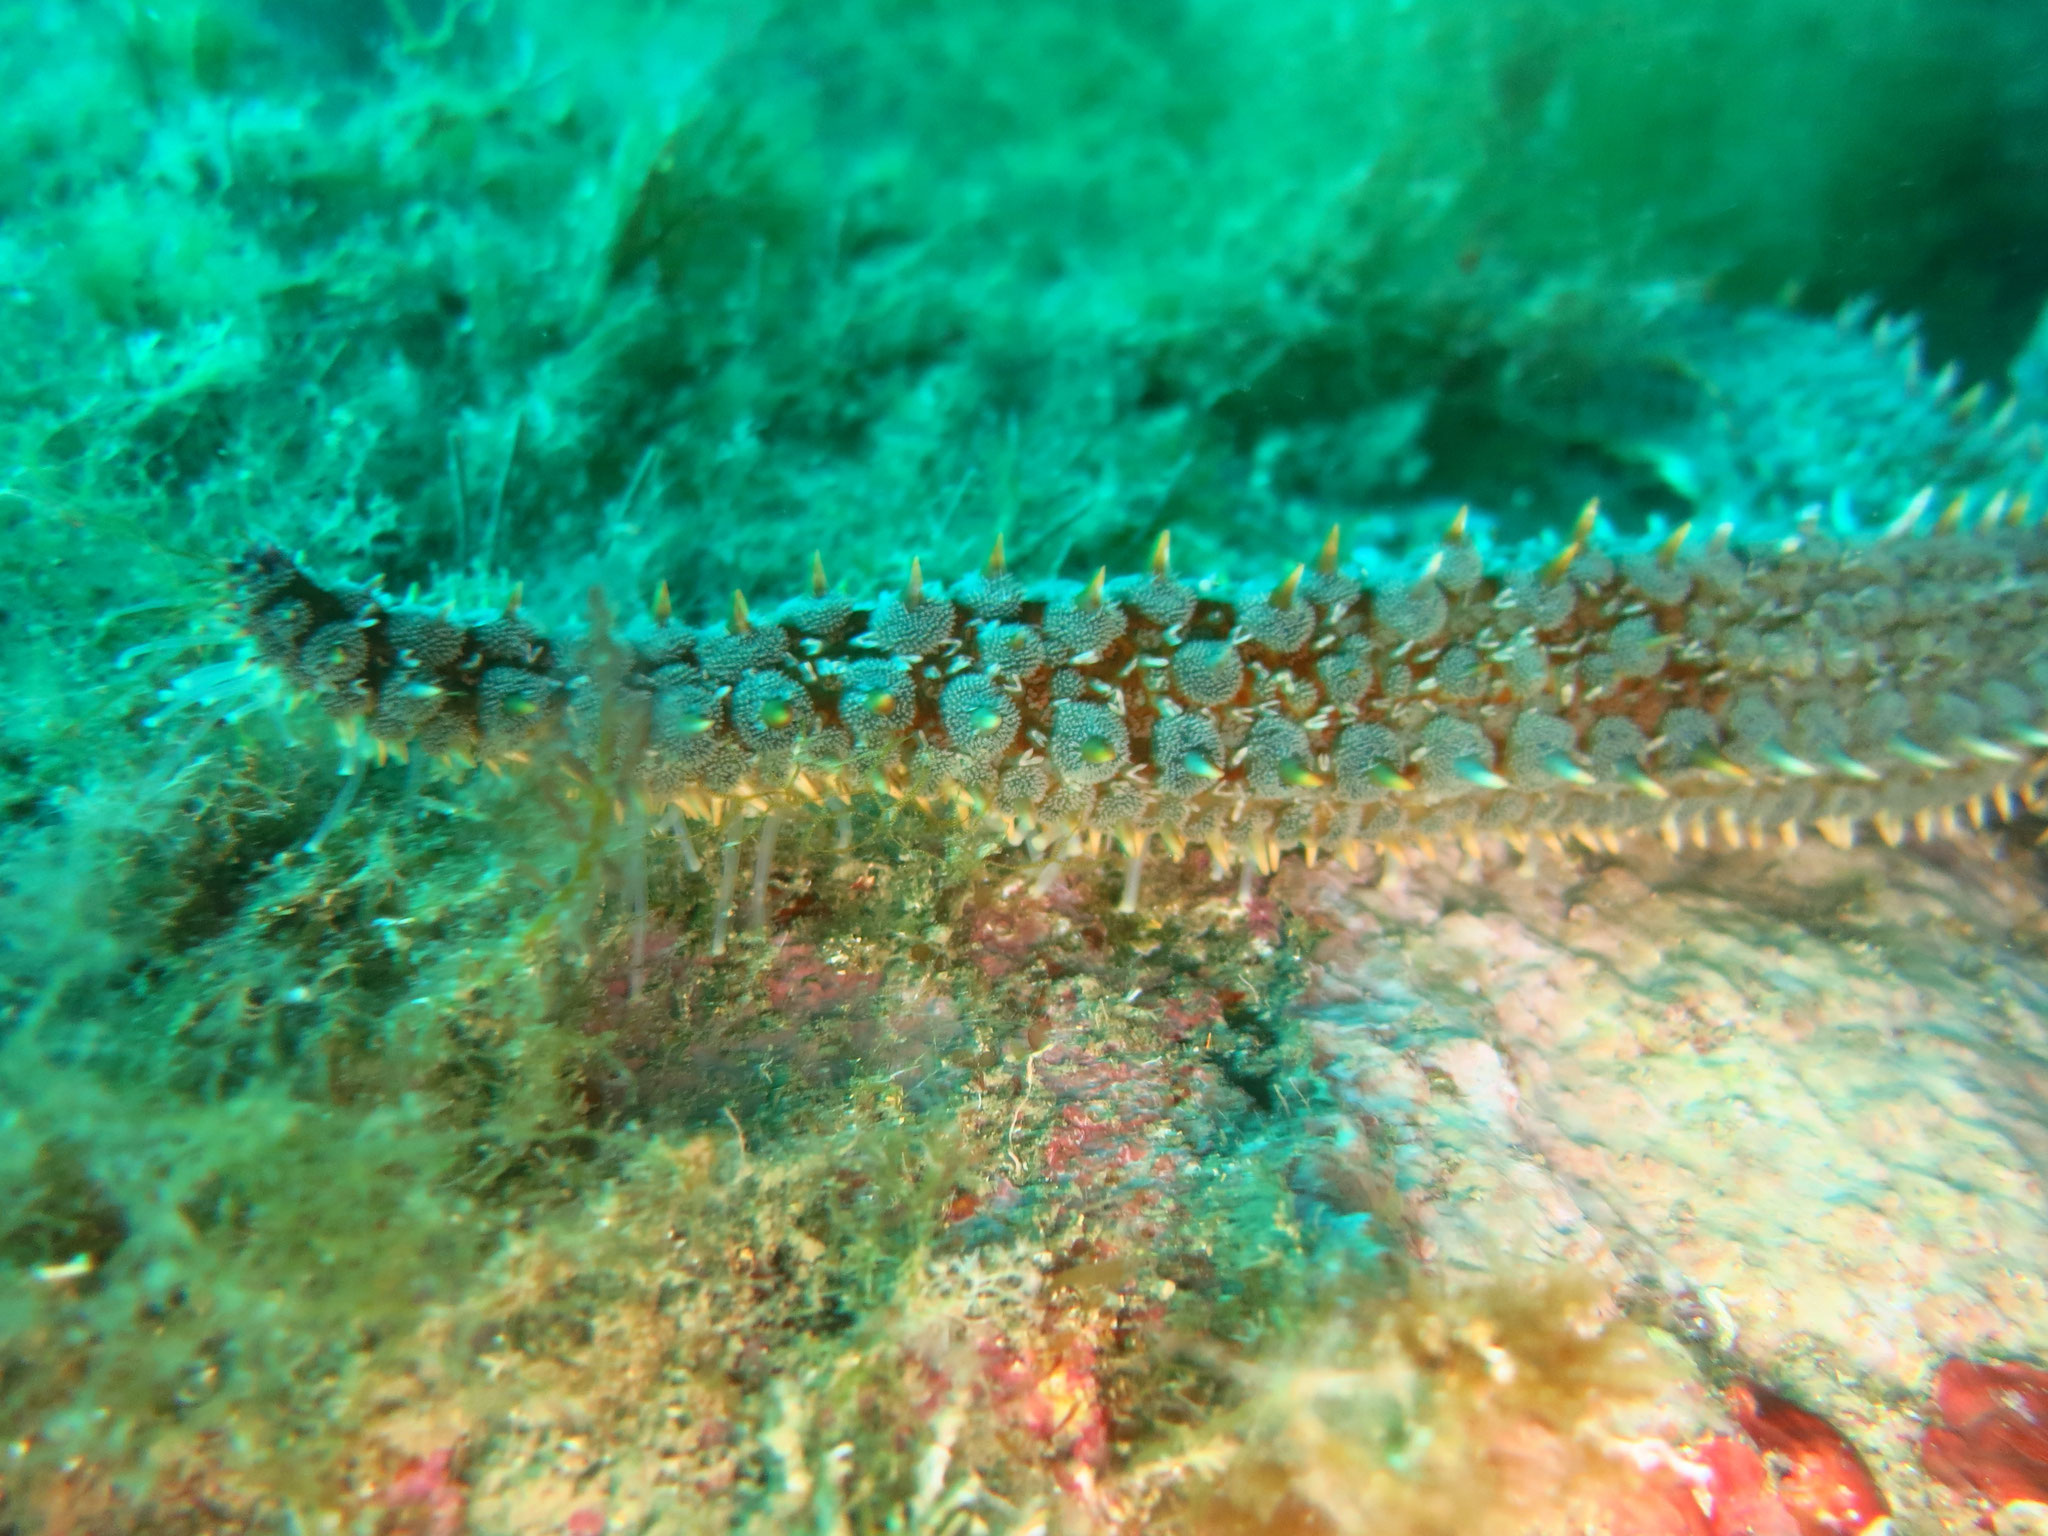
pixel 383 1147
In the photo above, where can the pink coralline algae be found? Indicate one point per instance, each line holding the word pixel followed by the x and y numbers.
pixel 1793 1476
pixel 1722 1489
pixel 426 1498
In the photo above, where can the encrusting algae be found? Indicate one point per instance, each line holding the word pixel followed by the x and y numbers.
pixel 1696 689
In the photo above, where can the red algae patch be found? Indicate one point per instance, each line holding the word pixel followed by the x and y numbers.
pixel 1991 1438
pixel 1820 1478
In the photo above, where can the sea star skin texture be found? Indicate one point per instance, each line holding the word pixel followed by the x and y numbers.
pixel 1693 689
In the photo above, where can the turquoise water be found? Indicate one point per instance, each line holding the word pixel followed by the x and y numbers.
pixel 432 1098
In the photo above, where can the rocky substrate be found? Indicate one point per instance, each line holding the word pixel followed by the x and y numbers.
pixel 1791 1103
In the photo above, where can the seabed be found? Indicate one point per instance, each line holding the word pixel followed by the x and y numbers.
pixel 402 1142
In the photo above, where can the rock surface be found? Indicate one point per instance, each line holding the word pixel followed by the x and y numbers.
pixel 1795 1100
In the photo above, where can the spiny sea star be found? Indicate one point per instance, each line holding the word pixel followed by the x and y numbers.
pixel 1825 679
